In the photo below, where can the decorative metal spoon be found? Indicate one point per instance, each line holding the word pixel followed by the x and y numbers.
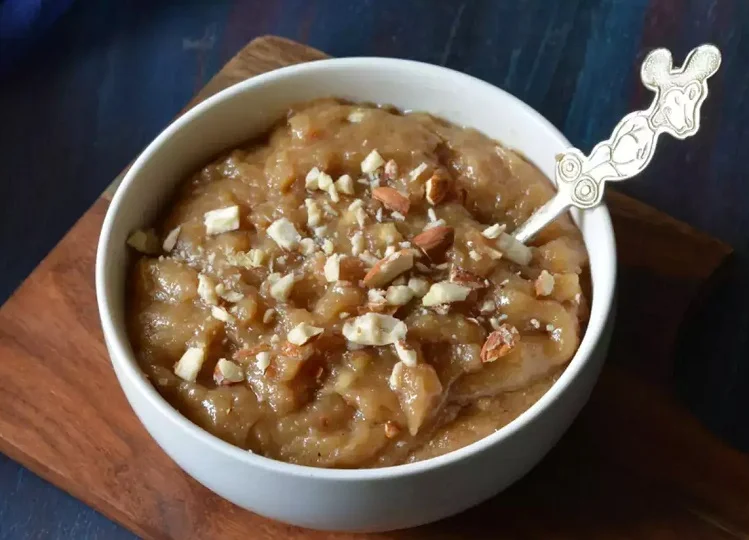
pixel 679 94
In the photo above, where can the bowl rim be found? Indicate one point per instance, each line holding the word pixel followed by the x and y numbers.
pixel 125 364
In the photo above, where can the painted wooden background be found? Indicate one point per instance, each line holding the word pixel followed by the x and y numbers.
pixel 111 74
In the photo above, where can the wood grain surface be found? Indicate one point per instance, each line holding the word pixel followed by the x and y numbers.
pixel 635 464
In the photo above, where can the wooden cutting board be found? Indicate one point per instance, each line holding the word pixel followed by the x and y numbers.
pixel 634 465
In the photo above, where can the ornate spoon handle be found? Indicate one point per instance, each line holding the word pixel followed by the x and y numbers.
pixel 679 94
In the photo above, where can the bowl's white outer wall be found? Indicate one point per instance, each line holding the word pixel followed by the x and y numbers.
pixel 358 500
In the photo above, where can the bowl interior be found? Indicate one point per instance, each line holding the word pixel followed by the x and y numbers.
pixel 251 107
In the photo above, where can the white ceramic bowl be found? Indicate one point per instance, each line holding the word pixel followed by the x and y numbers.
pixel 353 500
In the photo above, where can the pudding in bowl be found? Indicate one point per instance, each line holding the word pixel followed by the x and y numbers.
pixel 352 498
pixel 342 291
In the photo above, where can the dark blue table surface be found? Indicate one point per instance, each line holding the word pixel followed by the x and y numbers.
pixel 108 76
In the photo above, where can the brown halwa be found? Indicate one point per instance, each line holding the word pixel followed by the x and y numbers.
pixel 343 292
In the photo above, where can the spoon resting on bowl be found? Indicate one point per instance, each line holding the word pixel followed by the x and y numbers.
pixel 679 94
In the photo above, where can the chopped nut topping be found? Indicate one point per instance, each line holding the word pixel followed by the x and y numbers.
pixel 474 255
pixel 389 268
pixel 332 269
pixel 372 162
pixel 376 295
pixel 392 199
pixel 268 315
pixel 188 366
pixel 302 333
pixel 171 239
pixel 396 375
pixel 445 292
pixel 283 233
pixel 222 220
pixel 345 184
pixel 397 216
pixel 207 289
pixel 419 286
pixel 311 181
pixel 314 213
pixel 399 295
pixel 327 246
pixel 357 243
pixel 406 353
pixel 307 246
pixel 432 224
pixel 488 306
pixel 515 251
pixel 280 288
pixel 435 241
pixel 228 294
pixel 324 181
pixel 221 314
pixel 437 188
pixel 417 172
pixel 367 258
pixel 431 214
pixel 535 324
pixel 144 241
pixel 544 284
pixel 391 170
pixel 333 193
pixel 391 429
pixel 374 329
pixel 467 279
pixel 254 258
pixel 263 360
pixel 494 231
pixel 356 117
pixel 227 373
pixel 500 343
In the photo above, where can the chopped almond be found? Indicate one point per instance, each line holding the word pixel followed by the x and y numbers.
pixel 494 231
pixel 221 314
pixel 437 188
pixel 467 279
pixel 171 239
pixel 221 220
pixel 283 233
pixel 500 343
pixel 435 241
pixel 311 180
pixel 314 213
pixel 227 373
pixel 406 353
pixel 207 289
pixel 345 184
pixel 389 268
pixel 263 360
pixel 145 242
pixel 374 329
pixel 391 170
pixel 188 366
pixel 372 162
pixel 415 174
pixel 399 295
pixel 544 284
pixel 516 251
pixel 419 286
pixel 332 269
pixel 281 286
pixel 445 292
pixel 392 199
pixel 302 333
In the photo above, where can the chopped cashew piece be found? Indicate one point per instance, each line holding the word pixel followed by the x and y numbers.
pixel 516 251
pixel 222 220
pixel 302 333
pixel 207 289
pixel 188 366
pixel 332 269
pixel 372 162
pixel 263 360
pixel 544 284
pixel 144 242
pixel 445 292
pixel 374 329
pixel 406 353
pixel 399 295
pixel 280 288
pixel 345 184
pixel 283 233
pixel 314 213
pixel 493 232
pixel 227 372
pixel 171 239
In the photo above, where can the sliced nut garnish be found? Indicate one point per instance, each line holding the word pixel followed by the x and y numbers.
pixel 437 188
pixel 372 162
pixel 281 286
pixel 227 373
pixel 221 314
pixel 391 170
pixel 171 239
pixel 221 220
pixel 188 366
pixel 391 429
pixel 516 251
pixel 500 343
pixel 314 212
pixel 392 199
pixel 493 232
pixel 374 329
pixel 435 241
pixel 467 279
pixel 332 269
pixel 399 295
pixel 207 289
pixel 445 292
pixel 419 286
pixel 345 184
pixel 406 353
pixel 145 242
pixel 262 360
pixel 389 268
pixel 283 233
pixel 415 174
pixel 544 284
pixel 302 333
pixel 311 180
